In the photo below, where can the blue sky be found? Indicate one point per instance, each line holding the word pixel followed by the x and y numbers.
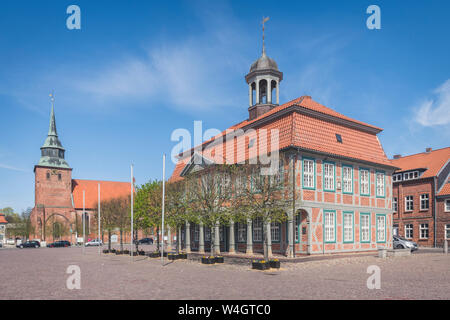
pixel 137 70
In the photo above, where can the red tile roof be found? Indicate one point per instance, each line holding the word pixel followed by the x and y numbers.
pixel 2 219
pixel 305 130
pixel 445 191
pixel 108 190
pixel 433 161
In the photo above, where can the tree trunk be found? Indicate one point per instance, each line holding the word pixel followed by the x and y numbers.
pixel 211 240
pixel 157 238
pixel 109 240
pixel 178 240
pixel 137 243
pixel 121 240
pixel 266 250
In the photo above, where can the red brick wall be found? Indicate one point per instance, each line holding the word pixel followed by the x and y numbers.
pixel 442 219
pixel 416 217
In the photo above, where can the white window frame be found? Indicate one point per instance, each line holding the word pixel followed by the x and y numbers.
pixel 257 230
pixel 308 174
pixel 241 232
pixel 447 205
pixel 447 232
pixel 424 229
pixel 207 233
pixel 379 180
pixel 330 226
pixel 409 201
pixel 365 181
pixel 347 177
pixel 348 226
pixel 381 228
pixel 365 227
pixel 409 228
pixel 196 232
pixel 424 200
pixel 328 176
pixel 395 204
pixel 275 232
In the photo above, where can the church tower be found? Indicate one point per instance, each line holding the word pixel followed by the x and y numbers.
pixel 53 181
pixel 263 84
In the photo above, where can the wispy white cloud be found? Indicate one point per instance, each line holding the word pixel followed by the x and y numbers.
pixel 7 167
pixel 435 112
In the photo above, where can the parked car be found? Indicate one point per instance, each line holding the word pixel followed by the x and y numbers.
pixel 145 241
pixel 10 241
pixel 60 243
pixel 94 242
pixel 403 243
pixel 29 244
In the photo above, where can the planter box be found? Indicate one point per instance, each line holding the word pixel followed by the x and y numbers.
pixel 208 260
pixel 274 264
pixel 142 253
pixel 172 256
pixel 106 251
pixel 126 251
pixel 182 256
pixel 118 252
pixel 219 259
pixel 154 254
pixel 258 265
pixel 134 253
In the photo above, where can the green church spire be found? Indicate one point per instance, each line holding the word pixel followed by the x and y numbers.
pixel 52 151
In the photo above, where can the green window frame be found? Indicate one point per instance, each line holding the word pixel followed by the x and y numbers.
pixel 343 226
pixel 334 176
pixel 314 173
pixel 376 183
pixel 368 181
pixel 361 229
pixel 376 223
pixel 351 179
pixel 325 226
pixel 279 232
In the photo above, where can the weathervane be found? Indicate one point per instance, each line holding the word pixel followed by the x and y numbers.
pixel 52 97
pixel 264 21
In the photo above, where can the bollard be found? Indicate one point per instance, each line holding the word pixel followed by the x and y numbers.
pixel 445 246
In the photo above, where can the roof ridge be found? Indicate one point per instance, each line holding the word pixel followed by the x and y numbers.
pixel 421 153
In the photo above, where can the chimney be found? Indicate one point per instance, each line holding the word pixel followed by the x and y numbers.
pixel 397 156
pixel 428 150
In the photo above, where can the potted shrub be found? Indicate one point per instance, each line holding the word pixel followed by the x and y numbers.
pixel 119 252
pixel 134 253
pixel 112 250
pixel 126 251
pixel 208 260
pixel 274 263
pixel 172 256
pixel 142 253
pixel 182 255
pixel 106 251
pixel 219 259
pixel 260 265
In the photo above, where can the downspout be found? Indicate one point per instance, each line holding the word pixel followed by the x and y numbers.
pixel 434 210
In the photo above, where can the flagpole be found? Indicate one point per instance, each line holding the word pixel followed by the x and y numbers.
pixel 131 249
pixel 98 219
pixel 163 194
pixel 84 218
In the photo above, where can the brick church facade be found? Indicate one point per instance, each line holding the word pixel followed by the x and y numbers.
pixel 337 178
pixel 58 210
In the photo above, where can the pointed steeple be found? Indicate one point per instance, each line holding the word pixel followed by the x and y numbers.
pixel 52 151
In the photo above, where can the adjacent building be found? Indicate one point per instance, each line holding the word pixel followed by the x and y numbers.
pixel 421 198
pixel 337 178
pixel 3 223
pixel 59 202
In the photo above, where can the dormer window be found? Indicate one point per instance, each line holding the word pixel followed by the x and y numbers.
pixel 338 138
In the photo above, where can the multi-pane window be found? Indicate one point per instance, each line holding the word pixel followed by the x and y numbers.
pixel 408 231
pixel 424 201
pixel 364 180
pixel 411 175
pixel 255 180
pixel 275 231
pixel 365 227
pixel 241 183
pixel 196 232
pixel 447 231
pixel 308 173
pixel 297 228
pixel 347 183
pixel 409 203
pixel 397 177
pixel 447 205
pixel 394 204
pixel 380 184
pixel 424 231
pixel 207 232
pixel 280 174
pixel 221 234
pixel 257 230
pixel 381 228
pixel 328 176
pixel 330 226
pixel 242 232
pixel 348 227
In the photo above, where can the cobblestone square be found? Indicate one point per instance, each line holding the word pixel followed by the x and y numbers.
pixel 41 274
